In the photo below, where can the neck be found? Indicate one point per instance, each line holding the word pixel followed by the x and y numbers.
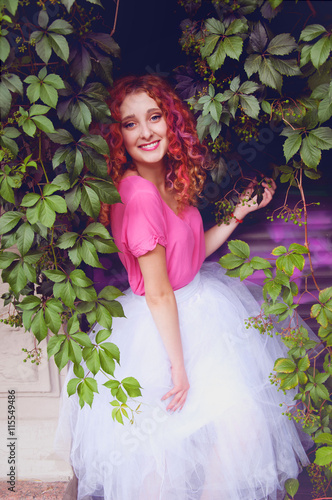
pixel 153 173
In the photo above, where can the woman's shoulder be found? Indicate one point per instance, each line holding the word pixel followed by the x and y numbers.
pixel 133 185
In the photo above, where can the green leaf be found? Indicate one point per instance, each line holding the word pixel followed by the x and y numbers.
pixel 72 385
pixel 281 45
pixel 112 349
pixel 237 26
pixel 30 302
pixel 5 100
pixel 73 324
pixel 277 308
pixel 268 75
pixel 56 203
pixel 299 249
pixel 43 123
pixel 280 250
pixel 24 238
pixel 304 363
pixel 61 136
pixel 52 317
pixel 93 361
pixel 311 32
pixel 260 263
pixel 246 270
pixel 29 200
pixel 38 326
pixel 54 344
pixel 273 289
pixel 43 47
pixel 65 292
pixel 60 46
pixel 81 116
pixel 252 64
pixel 324 456
pixel 321 138
pixel 61 27
pixel 107 362
pixel 103 316
pixel 89 254
pixel 79 278
pixel 209 44
pixel 216 60
pixel 82 338
pixel 68 4
pixel 320 51
pixel 102 335
pixel 132 387
pixel 67 240
pixel 292 486
pixel 248 87
pixel 231 261
pixel 324 438
pixel 97 229
pixel 4 48
pixel 90 202
pixel 310 155
pixel 233 47
pixel 54 81
pixel 325 109
pixel 9 220
pixel 46 214
pixel 214 26
pixel 284 365
pixel 47 93
pixel 121 396
pixel 110 293
pixel 288 67
pixel 75 352
pixel 325 295
pixel 250 105
pixel 239 248
pixel 292 145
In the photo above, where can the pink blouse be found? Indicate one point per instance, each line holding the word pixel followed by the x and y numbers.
pixel 142 220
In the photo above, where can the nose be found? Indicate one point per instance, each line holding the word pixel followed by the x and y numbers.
pixel 145 131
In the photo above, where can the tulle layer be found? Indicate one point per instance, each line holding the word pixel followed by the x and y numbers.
pixel 230 441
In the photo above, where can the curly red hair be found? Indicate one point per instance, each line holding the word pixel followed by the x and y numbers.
pixel 185 156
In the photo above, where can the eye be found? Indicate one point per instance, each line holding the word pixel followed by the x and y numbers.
pixel 155 118
pixel 129 125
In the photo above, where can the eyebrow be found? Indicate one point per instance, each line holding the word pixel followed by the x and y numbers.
pixel 151 110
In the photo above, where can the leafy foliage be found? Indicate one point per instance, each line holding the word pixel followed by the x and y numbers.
pixel 52 183
pixel 248 82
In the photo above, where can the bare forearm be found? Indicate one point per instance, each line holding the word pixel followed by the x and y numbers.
pixel 217 235
pixel 165 315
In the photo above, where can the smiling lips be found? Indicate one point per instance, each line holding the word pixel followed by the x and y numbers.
pixel 150 147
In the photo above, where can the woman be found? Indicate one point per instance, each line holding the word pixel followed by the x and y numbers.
pixel 210 426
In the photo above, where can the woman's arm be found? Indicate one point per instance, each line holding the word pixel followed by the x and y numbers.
pixel 217 235
pixel 161 301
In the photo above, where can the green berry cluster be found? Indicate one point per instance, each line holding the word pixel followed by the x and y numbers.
pixel 289 215
pixel 260 323
pixel 224 211
pixel 220 145
pixel 34 355
pixel 246 128
pixel 318 480
pixel 13 320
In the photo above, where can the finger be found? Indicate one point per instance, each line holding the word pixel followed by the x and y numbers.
pixel 174 403
pixel 182 401
pixel 169 394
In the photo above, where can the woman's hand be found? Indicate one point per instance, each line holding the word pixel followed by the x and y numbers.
pixel 180 389
pixel 247 205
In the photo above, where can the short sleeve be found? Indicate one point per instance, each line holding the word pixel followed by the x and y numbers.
pixel 144 223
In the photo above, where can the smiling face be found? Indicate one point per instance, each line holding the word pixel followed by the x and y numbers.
pixel 144 130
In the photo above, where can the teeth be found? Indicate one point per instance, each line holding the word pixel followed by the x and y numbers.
pixel 150 146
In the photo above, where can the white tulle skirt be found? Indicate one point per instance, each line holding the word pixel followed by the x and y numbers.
pixel 230 441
